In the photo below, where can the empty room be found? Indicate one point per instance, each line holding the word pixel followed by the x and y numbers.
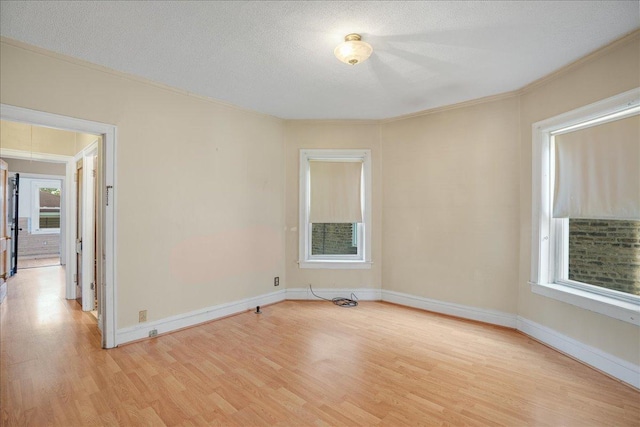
pixel 320 213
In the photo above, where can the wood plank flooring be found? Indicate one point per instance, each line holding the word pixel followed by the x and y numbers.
pixel 296 364
pixel 38 262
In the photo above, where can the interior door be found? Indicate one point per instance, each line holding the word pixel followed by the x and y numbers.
pixel 4 235
pixel 14 229
pixel 95 282
pixel 100 278
pixel 79 222
pixel 88 234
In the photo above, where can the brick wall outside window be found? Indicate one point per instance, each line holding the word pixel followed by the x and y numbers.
pixel 605 253
pixel 332 239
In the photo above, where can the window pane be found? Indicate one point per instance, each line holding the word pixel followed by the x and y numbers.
pixel 49 219
pixel 605 253
pixel 334 239
pixel 49 208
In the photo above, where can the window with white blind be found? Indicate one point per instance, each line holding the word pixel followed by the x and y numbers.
pixel 586 207
pixel 335 209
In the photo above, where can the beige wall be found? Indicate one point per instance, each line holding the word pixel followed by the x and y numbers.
pixel 605 75
pixel 83 140
pixel 37 139
pixel 450 205
pixel 200 185
pixel 37 167
pixel 327 134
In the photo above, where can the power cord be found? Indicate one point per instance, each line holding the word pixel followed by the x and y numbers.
pixel 340 302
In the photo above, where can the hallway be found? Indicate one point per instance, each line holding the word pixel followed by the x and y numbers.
pixel 46 343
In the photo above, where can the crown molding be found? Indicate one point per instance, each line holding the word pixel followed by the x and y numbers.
pixel 628 38
pixel 464 104
pixel 95 67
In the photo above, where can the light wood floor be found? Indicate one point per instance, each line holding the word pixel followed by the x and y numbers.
pixel 298 363
pixel 38 262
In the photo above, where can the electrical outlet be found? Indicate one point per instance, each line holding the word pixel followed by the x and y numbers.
pixel 153 333
pixel 142 316
pixel 276 281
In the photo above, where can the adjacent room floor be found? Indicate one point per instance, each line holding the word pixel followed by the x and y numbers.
pixel 297 363
pixel 38 262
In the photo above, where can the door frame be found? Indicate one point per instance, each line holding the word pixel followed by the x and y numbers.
pixel 88 203
pixel 106 195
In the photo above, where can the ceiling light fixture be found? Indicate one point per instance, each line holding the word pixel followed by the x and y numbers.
pixel 353 50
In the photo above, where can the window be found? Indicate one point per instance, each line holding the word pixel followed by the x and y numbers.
pixel 335 209
pixel 45 212
pixel 586 207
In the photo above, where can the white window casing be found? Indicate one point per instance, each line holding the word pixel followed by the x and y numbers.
pixel 360 260
pixel 549 256
pixel 34 220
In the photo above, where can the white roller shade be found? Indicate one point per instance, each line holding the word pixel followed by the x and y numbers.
pixel 597 171
pixel 335 192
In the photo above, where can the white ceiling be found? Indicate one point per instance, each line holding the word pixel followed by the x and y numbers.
pixel 277 57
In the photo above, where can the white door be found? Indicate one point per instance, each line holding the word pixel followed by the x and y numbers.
pixel 79 231
pixel 89 233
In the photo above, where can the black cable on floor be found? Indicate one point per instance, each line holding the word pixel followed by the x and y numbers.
pixel 341 302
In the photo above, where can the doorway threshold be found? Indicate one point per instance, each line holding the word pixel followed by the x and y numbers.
pixel 38 262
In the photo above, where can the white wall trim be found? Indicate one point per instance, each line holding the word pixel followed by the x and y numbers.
pixel 36 176
pixel 192 318
pixel 362 294
pixel 622 310
pixel 493 317
pixel 336 265
pixel 11 153
pixel 605 362
pixel 3 291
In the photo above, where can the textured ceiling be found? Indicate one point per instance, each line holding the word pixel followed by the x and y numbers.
pixel 277 57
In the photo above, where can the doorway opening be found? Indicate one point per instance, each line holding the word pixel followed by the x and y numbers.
pixel 37 218
pixel 83 219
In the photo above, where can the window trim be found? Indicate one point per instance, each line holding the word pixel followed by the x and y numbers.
pixel 36 185
pixel 363 259
pixel 546 232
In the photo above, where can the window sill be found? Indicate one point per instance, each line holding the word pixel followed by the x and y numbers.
pixel 336 265
pixel 621 310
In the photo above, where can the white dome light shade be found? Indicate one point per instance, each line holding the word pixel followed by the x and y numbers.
pixel 353 50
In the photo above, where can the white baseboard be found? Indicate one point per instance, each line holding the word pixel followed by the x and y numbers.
pixel 3 292
pixel 612 365
pixel 363 294
pixel 605 362
pixel 494 317
pixel 180 321
pixel 196 317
